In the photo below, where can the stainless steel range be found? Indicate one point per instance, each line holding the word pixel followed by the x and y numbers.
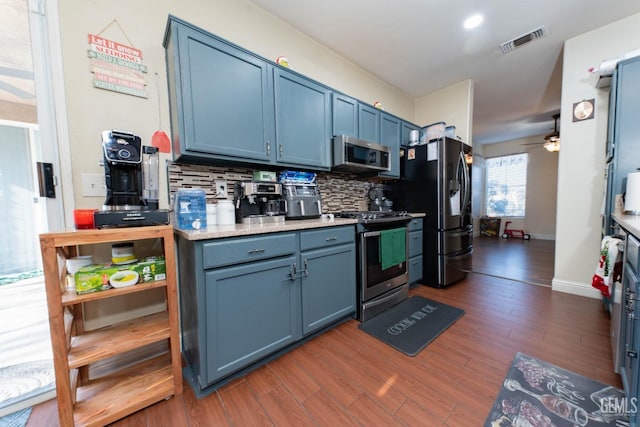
pixel 380 285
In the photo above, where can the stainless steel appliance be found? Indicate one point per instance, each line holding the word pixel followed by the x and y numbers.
pixel 435 178
pixel 356 155
pixel 131 198
pixel 303 200
pixel 378 288
pixel 259 202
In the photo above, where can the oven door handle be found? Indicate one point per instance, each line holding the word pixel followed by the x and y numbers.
pixel 370 234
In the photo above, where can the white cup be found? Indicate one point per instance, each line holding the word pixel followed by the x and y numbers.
pixel 73 265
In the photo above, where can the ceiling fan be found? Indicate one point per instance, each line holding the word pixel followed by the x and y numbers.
pixel 552 140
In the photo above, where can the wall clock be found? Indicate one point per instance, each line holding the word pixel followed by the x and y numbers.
pixel 583 110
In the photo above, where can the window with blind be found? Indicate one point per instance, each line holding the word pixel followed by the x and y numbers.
pixel 506 188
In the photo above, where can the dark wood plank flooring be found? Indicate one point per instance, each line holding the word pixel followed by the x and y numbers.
pixel 345 377
pixel 529 261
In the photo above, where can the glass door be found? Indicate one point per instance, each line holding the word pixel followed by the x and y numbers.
pixel 27 136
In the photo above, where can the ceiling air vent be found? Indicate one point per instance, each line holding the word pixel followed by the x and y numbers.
pixel 507 47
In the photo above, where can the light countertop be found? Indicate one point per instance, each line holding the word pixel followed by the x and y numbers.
pixel 631 223
pixel 235 230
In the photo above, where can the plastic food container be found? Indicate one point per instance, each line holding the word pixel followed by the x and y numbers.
pixel 190 207
pixel 225 213
pixel 122 253
pixel 450 131
pixel 434 131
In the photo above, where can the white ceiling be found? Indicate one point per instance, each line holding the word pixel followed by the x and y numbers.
pixel 420 46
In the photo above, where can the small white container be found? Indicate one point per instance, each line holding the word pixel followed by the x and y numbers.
pixel 225 213
pixel 73 265
pixel 211 214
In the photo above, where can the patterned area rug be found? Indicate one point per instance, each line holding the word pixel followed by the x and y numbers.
pixel 25 380
pixel 539 394
pixel 17 419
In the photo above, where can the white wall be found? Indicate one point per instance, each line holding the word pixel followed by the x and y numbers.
pixel 143 23
pixel 542 176
pixel 452 104
pixel 581 162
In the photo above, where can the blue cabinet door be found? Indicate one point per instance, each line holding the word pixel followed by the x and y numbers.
pixel 252 310
pixel 390 136
pixel 368 123
pixel 345 115
pixel 626 123
pixel 328 286
pixel 223 98
pixel 303 121
pixel 404 132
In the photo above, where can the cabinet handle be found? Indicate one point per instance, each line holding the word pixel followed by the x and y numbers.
pixel 255 251
pixel 306 268
pixel 293 272
pixel 632 354
pixel 268 148
pixel 330 239
pixel 280 149
pixel 415 237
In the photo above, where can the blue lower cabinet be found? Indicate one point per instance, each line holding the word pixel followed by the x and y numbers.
pixel 244 299
pixel 415 250
pixel 328 286
pixel 415 269
pixel 252 311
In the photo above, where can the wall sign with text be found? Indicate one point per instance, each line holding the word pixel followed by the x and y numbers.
pixel 117 67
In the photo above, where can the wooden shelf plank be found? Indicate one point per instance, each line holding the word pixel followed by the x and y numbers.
pixel 71 298
pixel 107 399
pixel 112 340
pixel 107 235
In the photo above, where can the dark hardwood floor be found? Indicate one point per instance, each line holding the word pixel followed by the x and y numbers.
pixel 345 377
pixel 529 261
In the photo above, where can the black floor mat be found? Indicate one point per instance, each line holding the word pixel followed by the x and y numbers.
pixel 411 325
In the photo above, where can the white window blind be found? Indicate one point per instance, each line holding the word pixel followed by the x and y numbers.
pixel 506 188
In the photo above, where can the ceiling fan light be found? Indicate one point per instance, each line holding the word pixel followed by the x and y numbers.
pixel 552 146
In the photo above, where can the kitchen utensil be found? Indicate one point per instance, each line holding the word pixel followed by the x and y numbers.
pixel 160 138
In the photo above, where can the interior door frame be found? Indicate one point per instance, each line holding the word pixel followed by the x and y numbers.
pixel 51 108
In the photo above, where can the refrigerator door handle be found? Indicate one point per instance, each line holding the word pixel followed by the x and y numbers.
pixel 462 165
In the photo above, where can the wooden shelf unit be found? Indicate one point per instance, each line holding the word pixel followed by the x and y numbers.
pixel 87 401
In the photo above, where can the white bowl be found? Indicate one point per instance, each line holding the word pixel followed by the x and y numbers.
pixel 124 278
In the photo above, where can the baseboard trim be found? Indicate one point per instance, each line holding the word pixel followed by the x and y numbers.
pixel 575 288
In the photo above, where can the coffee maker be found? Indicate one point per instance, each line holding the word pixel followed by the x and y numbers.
pixel 128 202
pixel 259 202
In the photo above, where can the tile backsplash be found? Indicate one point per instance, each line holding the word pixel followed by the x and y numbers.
pixel 339 191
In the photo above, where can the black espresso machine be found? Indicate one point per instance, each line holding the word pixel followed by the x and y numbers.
pixel 131 180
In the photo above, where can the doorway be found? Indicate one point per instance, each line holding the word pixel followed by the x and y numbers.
pixel 27 136
pixel 527 261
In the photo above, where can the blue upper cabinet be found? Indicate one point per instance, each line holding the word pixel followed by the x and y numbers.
pixel 368 123
pixel 221 98
pixel 390 128
pixel 228 104
pixel 345 115
pixel 404 133
pixel 303 121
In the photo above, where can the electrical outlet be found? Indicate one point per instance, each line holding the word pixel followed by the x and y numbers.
pixel 92 185
pixel 221 189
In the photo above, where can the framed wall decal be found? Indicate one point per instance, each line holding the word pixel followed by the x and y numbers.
pixel 583 110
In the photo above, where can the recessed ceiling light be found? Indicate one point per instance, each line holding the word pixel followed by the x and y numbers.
pixel 473 21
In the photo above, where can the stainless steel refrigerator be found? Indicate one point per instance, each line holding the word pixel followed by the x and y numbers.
pixel 435 179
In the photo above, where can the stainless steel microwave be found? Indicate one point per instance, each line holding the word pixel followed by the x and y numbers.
pixel 356 155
